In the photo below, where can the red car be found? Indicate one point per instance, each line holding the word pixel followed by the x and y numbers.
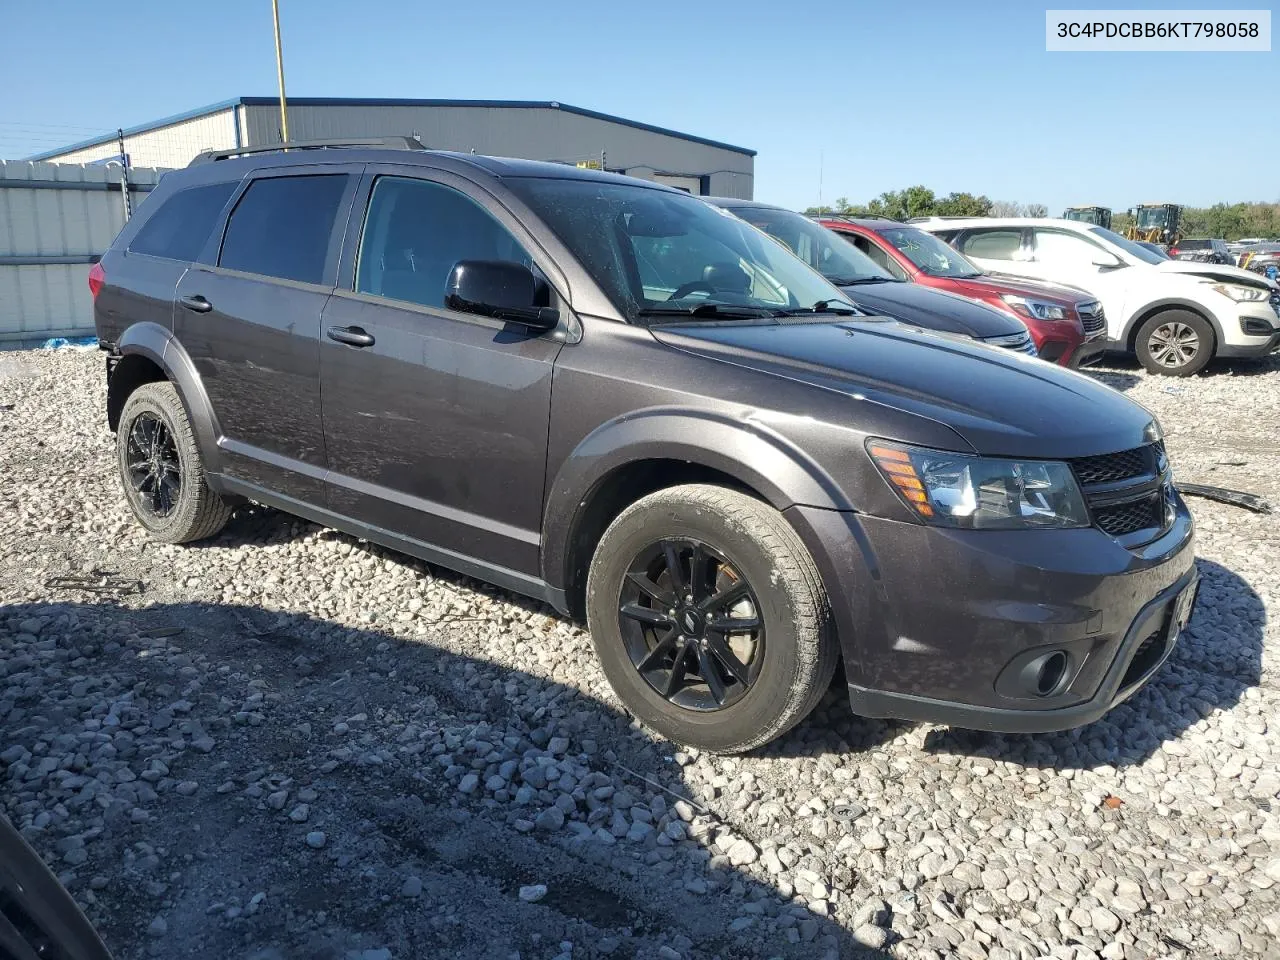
pixel 1067 324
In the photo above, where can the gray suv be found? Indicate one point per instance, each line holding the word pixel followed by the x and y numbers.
pixel 618 399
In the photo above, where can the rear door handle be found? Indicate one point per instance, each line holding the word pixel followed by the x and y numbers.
pixel 197 303
pixel 351 335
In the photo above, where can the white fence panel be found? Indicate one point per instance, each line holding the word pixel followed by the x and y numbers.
pixel 56 219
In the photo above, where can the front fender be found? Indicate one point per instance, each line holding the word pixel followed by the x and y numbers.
pixel 159 345
pixel 745 448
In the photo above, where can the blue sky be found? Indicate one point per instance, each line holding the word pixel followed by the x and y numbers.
pixel 882 95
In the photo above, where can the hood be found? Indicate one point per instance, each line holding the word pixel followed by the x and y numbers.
pixel 989 284
pixel 932 309
pixel 1001 403
pixel 1215 271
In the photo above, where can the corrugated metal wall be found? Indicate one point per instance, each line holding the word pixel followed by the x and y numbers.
pixel 55 220
pixel 171 146
pixel 529 133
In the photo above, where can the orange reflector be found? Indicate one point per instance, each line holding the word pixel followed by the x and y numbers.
pixel 901 472
pixel 884 453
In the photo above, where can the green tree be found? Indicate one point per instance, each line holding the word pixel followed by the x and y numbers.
pixel 962 205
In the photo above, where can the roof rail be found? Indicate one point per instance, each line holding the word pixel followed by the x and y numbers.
pixel 386 143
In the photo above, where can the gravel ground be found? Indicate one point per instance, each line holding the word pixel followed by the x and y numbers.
pixel 289 743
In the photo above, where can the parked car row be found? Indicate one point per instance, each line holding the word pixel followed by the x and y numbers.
pixel 640 409
pixel 1175 315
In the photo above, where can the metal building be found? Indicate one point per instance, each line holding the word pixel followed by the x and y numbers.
pixel 533 130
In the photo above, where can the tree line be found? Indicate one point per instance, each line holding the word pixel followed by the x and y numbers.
pixel 1222 220
pixel 920 201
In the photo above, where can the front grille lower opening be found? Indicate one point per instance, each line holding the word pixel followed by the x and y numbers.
pixel 1144 659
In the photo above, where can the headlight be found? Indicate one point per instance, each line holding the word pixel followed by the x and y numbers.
pixel 1240 293
pixel 981 493
pixel 1035 309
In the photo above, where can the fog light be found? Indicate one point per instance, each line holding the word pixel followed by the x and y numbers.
pixel 1046 675
pixel 1052 670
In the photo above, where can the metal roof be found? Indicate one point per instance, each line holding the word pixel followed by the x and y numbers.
pixel 384 102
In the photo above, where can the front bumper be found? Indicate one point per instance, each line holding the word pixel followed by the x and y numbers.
pixel 936 624
pixel 1240 344
pixel 1088 351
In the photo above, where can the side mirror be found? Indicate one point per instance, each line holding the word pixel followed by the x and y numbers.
pixel 1107 261
pixel 500 289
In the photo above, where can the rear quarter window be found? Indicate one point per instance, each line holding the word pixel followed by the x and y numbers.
pixel 179 227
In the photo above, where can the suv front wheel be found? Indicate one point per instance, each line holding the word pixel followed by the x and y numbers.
pixel 1176 343
pixel 161 470
pixel 709 618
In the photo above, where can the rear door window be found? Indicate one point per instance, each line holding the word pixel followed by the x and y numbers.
pixel 282 227
pixel 416 231
pixel 179 228
pixel 993 244
pixel 1056 246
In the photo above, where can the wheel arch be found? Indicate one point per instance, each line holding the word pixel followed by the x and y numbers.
pixel 1149 310
pixel 624 460
pixel 148 349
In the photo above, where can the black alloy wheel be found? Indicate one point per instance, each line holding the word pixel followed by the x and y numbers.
pixel 691 625
pixel 155 470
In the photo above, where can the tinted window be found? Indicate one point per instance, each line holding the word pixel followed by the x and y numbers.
pixel 993 244
pixel 1193 244
pixel 282 227
pixel 826 251
pixel 878 256
pixel 416 231
pixel 179 229
pixel 659 253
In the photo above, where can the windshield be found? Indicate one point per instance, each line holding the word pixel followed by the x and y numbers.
pixel 929 253
pixel 825 250
pixel 655 253
pixel 1154 249
pixel 1149 217
pixel 1128 246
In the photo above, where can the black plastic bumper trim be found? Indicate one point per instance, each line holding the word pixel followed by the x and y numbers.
pixel 905 706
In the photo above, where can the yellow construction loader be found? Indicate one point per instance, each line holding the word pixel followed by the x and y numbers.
pixel 1156 223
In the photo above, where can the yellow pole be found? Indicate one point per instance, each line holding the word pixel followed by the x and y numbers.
pixel 284 115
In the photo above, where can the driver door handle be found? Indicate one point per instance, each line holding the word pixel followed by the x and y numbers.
pixel 354 336
pixel 196 303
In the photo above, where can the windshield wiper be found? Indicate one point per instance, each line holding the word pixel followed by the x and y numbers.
pixel 707 310
pixel 822 306
pixel 856 281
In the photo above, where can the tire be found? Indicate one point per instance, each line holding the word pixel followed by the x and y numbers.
pixel 1162 343
pixel 172 510
pixel 787 660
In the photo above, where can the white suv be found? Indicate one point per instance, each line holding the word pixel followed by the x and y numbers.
pixel 1174 314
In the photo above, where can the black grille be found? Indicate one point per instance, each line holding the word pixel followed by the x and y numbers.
pixel 1144 658
pixel 1111 467
pixel 1122 518
pixel 1093 319
pixel 1126 491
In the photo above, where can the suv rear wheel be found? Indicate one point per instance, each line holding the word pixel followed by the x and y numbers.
pixel 161 470
pixel 709 618
pixel 1176 343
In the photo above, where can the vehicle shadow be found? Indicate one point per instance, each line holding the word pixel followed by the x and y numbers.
pixel 210 742
pixel 1123 372
pixel 1115 379
pixel 1217 658
pixel 258 525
